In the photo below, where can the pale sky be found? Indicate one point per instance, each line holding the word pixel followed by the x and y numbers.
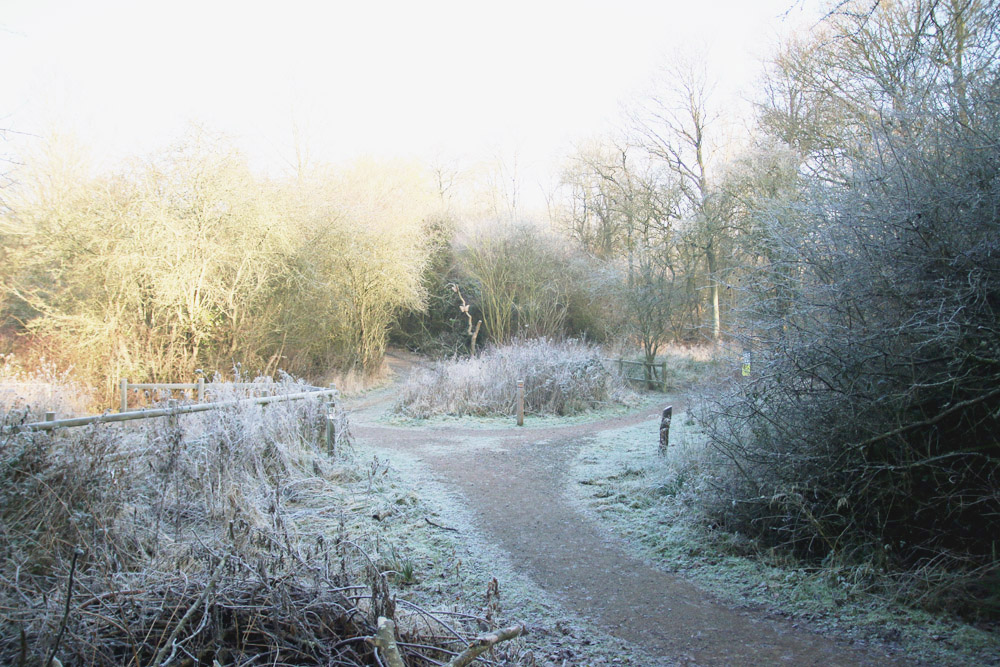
pixel 384 78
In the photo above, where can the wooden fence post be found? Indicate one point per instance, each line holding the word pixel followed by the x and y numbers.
pixel 663 375
pixel 201 389
pixel 172 405
pixel 520 402
pixel 123 389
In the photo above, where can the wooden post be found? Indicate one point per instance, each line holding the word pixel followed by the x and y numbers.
pixel 172 405
pixel 50 416
pixel 331 429
pixel 123 389
pixel 665 428
pixel 663 375
pixel 201 389
pixel 520 402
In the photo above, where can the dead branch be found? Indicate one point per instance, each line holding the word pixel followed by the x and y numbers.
pixel 484 643
pixel 162 658
pixel 385 640
pixel 473 333
pixel 437 525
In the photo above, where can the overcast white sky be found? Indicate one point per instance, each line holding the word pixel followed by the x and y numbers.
pixel 416 78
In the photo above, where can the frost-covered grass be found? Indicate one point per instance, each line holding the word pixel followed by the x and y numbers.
pixel 654 501
pixel 453 562
pixel 242 506
pixel 41 389
pixel 560 378
pixel 531 421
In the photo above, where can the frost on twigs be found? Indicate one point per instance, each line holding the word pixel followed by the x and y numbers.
pixel 560 378
pixel 219 537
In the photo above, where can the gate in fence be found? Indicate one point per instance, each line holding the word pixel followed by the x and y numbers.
pixel 652 374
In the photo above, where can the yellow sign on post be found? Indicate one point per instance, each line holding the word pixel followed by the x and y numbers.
pixel 746 364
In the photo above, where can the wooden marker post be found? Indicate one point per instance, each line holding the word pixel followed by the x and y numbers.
pixel 123 389
pixel 331 433
pixel 665 428
pixel 520 402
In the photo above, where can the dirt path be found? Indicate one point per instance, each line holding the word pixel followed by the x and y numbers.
pixel 514 481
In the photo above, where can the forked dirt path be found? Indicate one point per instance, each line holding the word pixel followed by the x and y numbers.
pixel 514 480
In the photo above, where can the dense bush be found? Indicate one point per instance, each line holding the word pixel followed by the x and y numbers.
pixel 559 379
pixel 870 427
pixel 192 261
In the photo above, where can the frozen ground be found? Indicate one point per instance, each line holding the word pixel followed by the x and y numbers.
pixel 512 496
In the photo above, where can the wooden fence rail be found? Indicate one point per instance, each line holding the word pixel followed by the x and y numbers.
pixel 109 417
pixel 200 387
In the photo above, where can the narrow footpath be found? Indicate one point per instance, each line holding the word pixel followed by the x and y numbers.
pixel 514 481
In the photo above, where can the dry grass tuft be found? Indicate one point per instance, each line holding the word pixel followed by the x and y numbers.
pixel 41 389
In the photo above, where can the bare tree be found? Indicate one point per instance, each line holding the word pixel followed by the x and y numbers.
pixel 675 124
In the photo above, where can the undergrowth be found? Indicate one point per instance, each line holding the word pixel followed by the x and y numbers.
pixel 228 536
pixel 40 388
pixel 560 378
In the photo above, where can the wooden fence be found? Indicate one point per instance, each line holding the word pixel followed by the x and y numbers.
pixel 197 389
pixel 654 375
pixel 173 410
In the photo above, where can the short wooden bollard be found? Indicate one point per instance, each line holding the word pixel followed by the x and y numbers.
pixel 331 429
pixel 520 402
pixel 665 428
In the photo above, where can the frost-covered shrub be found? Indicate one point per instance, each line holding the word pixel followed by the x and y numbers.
pixel 562 378
pixel 146 515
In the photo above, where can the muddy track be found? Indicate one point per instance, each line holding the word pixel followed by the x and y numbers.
pixel 515 483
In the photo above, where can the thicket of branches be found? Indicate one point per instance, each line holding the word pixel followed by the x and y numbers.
pixel 868 430
pixel 190 261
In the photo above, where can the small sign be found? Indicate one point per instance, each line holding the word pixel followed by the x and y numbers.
pixel 746 364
